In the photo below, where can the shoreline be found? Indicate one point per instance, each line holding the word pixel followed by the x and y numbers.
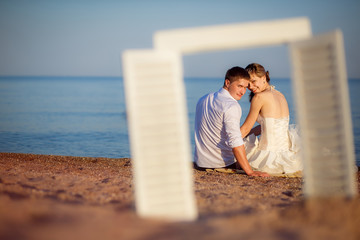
pixel 64 197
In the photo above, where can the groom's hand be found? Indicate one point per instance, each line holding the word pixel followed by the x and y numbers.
pixel 259 174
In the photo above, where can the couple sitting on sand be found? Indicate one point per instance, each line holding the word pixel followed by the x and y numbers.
pixel 219 141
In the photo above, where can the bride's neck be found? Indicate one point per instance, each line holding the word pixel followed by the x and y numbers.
pixel 267 87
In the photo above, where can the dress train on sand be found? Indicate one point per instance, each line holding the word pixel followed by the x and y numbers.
pixel 277 150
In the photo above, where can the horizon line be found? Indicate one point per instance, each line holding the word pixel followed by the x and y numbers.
pixel 107 76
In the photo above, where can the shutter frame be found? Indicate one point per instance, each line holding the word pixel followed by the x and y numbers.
pixel 319 76
pixel 159 134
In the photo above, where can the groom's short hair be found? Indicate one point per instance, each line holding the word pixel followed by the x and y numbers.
pixel 236 73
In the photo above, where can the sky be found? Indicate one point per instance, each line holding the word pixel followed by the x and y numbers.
pixel 87 38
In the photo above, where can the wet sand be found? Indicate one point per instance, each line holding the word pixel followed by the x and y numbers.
pixel 58 197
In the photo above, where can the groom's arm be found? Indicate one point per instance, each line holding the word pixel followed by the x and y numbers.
pixel 240 155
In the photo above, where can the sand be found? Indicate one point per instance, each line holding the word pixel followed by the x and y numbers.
pixel 58 197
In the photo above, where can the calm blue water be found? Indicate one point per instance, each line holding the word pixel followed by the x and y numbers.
pixel 86 116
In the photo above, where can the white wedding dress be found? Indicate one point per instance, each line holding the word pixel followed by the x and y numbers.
pixel 277 150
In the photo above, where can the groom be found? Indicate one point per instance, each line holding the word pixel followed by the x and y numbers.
pixel 218 140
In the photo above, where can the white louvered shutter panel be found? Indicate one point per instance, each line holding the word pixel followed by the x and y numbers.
pixel 323 112
pixel 159 134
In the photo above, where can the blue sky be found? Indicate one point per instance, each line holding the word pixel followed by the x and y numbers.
pixel 86 38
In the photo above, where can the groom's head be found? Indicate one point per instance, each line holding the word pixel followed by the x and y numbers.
pixel 236 82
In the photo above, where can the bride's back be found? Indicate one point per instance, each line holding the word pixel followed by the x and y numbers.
pixel 275 104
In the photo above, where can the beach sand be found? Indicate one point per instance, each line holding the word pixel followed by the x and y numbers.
pixel 57 197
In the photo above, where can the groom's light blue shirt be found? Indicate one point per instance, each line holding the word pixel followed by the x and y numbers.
pixel 217 129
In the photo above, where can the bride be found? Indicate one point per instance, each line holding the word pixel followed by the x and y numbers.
pixel 277 149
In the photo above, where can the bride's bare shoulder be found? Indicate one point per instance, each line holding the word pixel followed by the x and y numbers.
pixel 262 94
pixel 279 93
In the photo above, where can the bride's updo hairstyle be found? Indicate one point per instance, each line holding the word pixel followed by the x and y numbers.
pixel 258 70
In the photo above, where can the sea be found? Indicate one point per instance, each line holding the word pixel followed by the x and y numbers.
pixel 86 116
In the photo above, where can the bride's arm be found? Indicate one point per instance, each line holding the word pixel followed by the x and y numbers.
pixel 255 130
pixel 255 107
